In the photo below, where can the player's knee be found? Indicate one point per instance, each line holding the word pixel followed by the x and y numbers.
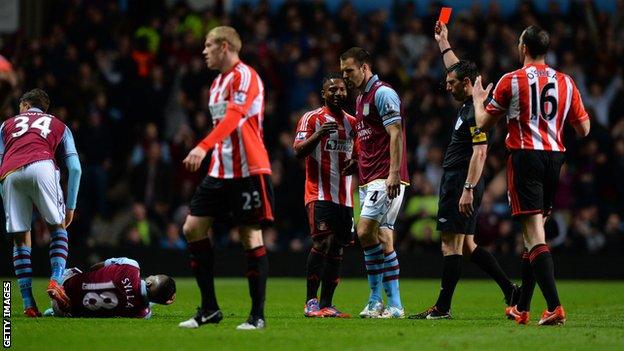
pixel 321 243
pixel 451 246
pixel 193 231
pixel 335 249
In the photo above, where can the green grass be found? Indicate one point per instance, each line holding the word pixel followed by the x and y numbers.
pixel 595 322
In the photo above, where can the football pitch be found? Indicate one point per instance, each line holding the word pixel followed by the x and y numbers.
pixel 595 321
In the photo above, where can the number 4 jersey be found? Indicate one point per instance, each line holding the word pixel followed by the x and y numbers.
pixel 30 137
pixel 537 100
pixel 115 290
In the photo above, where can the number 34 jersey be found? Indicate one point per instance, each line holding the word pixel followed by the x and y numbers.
pixel 112 291
pixel 537 101
pixel 30 137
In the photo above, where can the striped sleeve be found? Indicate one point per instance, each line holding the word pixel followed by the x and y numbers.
pixel 306 127
pixel 577 109
pixel 244 87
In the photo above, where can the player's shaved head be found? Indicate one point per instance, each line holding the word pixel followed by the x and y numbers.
pixel 227 34
pixel 36 98
pixel 161 289
pixel 536 41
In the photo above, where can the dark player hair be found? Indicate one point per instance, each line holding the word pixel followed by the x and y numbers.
pixel 359 55
pixel 463 69
pixel 536 40
pixel 162 290
pixel 331 75
pixel 36 98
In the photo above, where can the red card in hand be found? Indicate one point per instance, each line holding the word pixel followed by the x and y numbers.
pixel 445 15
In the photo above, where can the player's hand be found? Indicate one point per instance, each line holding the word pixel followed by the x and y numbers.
pixel 479 94
pixel 440 31
pixel 465 203
pixel 194 159
pixel 69 217
pixel 350 167
pixel 328 127
pixel 393 185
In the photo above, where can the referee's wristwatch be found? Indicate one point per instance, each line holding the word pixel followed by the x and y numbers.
pixel 469 186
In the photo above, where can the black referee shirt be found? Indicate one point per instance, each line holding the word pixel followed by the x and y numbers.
pixel 465 135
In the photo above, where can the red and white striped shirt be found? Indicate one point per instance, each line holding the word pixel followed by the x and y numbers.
pixel 242 153
pixel 323 179
pixel 537 100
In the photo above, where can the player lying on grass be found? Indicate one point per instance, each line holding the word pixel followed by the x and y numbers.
pixel 113 288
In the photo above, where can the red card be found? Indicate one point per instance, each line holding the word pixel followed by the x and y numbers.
pixel 445 15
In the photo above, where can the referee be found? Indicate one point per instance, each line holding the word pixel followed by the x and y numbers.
pixel 462 188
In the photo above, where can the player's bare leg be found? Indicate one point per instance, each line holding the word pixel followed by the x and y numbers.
pixel 59 250
pixel 488 263
pixel 543 268
pixel 257 273
pixel 367 231
pixel 390 275
pixel 196 230
pixel 23 271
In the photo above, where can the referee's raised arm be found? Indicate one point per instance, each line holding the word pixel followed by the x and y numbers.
pixel 441 36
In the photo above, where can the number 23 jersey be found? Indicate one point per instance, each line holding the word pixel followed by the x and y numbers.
pixel 33 136
pixel 537 101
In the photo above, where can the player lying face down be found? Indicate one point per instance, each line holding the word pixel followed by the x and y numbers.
pixel 114 288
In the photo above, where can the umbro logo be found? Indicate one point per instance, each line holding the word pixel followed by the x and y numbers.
pixel 442 220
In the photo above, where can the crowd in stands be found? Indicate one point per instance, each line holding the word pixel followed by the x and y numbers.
pixel 130 81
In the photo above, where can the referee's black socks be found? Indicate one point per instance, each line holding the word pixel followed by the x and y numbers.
pixel 486 261
pixel 202 264
pixel 544 271
pixel 451 270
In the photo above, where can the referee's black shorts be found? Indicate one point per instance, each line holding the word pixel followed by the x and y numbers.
pixel 532 179
pixel 449 219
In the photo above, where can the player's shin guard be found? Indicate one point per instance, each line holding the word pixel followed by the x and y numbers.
pixel 331 278
pixel 544 271
pixel 374 261
pixel 486 261
pixel 23 272
pixel 59 249
pixel 202 264
pixel 528 284
pixel 314 267
pixel 451 271
pixel 257 272
pixel 391 279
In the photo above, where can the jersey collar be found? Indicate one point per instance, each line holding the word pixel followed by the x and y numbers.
pixel 327 111
pixel 34 109
pixel 370 83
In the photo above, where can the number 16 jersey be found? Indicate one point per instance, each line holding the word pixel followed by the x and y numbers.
pixel 537 100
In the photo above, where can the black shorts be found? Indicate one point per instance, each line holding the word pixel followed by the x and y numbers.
pixel 532 179
pixel 451 188
pixel 327 218
pixel 249 200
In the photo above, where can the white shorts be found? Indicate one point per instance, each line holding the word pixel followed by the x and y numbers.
pixel 375 204
pixel 35 184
